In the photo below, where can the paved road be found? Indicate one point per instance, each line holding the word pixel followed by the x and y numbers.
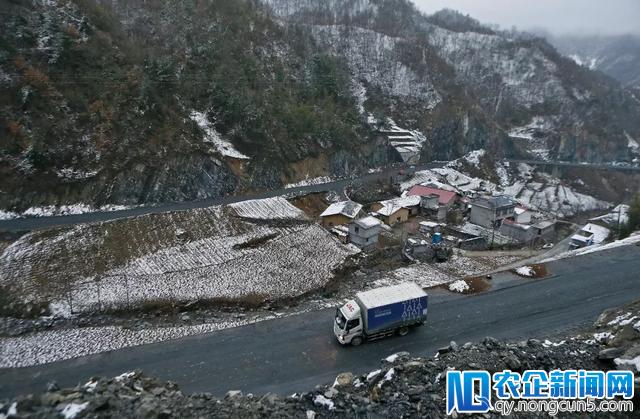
pixel 296 353
pixel 595 166
pixel 36 223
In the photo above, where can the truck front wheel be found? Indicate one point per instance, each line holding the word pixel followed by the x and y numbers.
pixel 403 331
pixel 356 341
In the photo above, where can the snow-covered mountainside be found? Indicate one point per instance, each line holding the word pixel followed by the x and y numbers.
pixel 128 103
pixel 617 56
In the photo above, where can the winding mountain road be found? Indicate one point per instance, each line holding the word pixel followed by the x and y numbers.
pixel 295 353
pixel 37 223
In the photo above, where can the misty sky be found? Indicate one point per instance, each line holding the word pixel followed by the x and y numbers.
pixel 557 16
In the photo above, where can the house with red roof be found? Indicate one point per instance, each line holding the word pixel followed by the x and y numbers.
pixel 445 198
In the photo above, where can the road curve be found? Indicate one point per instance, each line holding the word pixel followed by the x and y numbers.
pixel 585 165
pixel 37 223
pixel 296 353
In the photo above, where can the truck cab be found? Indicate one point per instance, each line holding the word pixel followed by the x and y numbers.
pixel 348 323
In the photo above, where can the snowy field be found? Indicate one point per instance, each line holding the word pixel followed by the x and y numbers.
pixel 264 249
pixel 56 345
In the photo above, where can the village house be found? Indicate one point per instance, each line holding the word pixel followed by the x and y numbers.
pixel 545 229
pixel 340 213
pixel 490 211
pixel 433 205
pixel 520 233
pixel 396 210
pixel 364 232
pixel 429 207
pixel 445 198
pixel 523 215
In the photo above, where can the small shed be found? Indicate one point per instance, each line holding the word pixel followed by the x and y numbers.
pixel 520 233
pixel 545 229
pixel 341 232
pixel 429 227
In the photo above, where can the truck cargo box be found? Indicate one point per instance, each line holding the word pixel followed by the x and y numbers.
pixel 392 306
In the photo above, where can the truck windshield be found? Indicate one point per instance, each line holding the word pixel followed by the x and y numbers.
pixel 340 320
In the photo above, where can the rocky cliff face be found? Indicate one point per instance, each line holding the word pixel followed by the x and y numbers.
pixel 139 102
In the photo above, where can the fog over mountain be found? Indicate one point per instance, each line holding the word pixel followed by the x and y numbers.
pixel 613 17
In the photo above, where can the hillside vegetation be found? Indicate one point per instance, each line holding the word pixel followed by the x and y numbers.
pixel 139 102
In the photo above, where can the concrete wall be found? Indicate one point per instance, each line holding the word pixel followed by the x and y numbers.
pixel 399 216
pixel 481 216
pixel 364 242
pixel 356 230
pixel 517 233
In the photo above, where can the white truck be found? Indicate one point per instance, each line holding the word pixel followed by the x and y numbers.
pixel 380 312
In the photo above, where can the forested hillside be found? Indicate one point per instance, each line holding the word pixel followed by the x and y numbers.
pixel 138 101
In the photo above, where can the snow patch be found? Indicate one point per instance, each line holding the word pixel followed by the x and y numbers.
pixel 635 362
pixel 213 137
pixel 525 271
pixel 320 400
pixel 459 286
pixel 602 337
pixel 309 181
pixel 71 410
pixel 392 358
pixel 622 320
pixel 125 375
pixel 373 374
pixel 387 377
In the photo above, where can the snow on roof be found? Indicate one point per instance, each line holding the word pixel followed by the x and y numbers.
pixel 520 210
pixel 391 206
pixel 340 231
pixel 518 225
pixel 444 197
pixel 581 237
pixel 544 224
pixel 600 233
pixel 429 224
pixel 347 208
pixel 388 295
pixel 368 222
pixel 425 176
pixel 497 201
